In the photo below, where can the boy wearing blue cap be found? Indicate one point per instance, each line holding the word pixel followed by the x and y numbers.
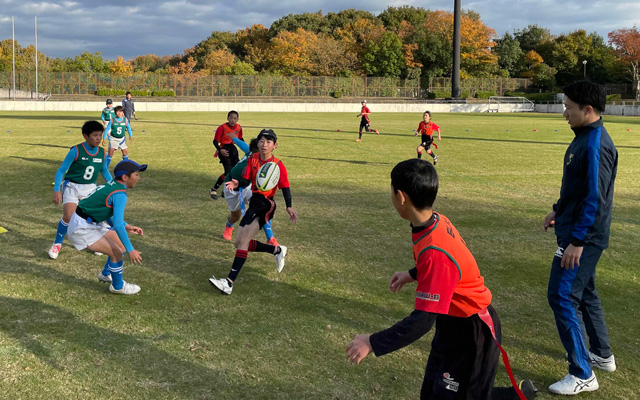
pixel 98 225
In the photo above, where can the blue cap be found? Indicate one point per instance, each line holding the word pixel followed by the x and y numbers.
pixel 126 167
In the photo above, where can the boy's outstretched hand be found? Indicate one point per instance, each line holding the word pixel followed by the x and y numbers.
pixel 359 348
pixel 293 217
pixel 135 257
pixel 399 279
pixel 134 229
pixel 232 184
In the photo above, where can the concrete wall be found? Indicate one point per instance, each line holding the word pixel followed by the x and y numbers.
pixel 617 109
pixel 20 94
pixel 417 107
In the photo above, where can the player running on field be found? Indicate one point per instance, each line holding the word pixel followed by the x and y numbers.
pixel 426 129
pixel 225 150
pixel 108 113
pixel 365 122
pixel 115 131
pixel 98 225
pixel 262 207
pixel 450 293
pixel 236 199
pixel 80 171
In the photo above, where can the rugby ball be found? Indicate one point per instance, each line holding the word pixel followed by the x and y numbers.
pixel 268 177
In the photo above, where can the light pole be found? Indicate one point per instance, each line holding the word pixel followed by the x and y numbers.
pixel 585 68
pixel 455 73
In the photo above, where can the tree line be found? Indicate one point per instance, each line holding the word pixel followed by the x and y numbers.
pixel 405 42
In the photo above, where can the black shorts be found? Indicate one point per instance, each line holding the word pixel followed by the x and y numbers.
pixel 231 160
pixel 463 359
pixel 261 208
pixel 364 124
pixel 426 141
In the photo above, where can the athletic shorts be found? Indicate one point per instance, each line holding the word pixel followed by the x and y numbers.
pixel 260 208
pixel 364 124
pixel 74 192
pixel 234 201
pixel 426 141
pixel 464 359
pixel 230 161
pixel 83 234
pixel 118 143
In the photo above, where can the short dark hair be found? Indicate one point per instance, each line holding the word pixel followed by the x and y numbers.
pixel 118 108
pixel 427 112
pixel 253 145
pixel 92 126
pixel 233 112
pixel 586 93
pixel 417 179
pixel 128 92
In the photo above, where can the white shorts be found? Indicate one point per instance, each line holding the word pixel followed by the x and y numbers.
pixel 233 197
pixel 74 192
pixel 118 143
pixel 83 234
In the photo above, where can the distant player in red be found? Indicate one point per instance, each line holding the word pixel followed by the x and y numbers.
pixel 426 129
pixel 225 149
pixel 262 206
pixel 365 122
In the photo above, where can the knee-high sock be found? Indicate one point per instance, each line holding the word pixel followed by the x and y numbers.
pixel 105 270
pixel 116 274
pixel 62 230
pixel 219 182
pixel 108 160
pixel 238 262
pixel 259 247
pixel 268 231
pixel 419 154
pixel 125 158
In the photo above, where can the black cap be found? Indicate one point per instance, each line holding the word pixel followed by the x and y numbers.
pixel 109 101
pixel 126 167
pixel 268 133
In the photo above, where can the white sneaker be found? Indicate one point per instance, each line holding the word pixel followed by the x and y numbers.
pixel 54 250
pixel 571 385
pixel 280 258
pixel 221 284
pixel 605 364
pixel 127 288
pixel 97 253
pixel 104 278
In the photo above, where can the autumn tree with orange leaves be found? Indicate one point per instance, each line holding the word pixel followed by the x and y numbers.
pixel 627 45
pixel 476 41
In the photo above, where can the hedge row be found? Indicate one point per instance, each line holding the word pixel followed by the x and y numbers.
pixel 135 93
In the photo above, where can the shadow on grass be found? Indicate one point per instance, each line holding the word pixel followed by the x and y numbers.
pixel 566 144
pixel 46 145
pixel 39 160
pixel 358 162
pixel 57 117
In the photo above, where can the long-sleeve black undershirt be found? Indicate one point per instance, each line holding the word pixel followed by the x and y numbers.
pixel 403 333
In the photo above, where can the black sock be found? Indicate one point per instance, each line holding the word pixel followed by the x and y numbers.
pixel 238 262
pixel 360 135
pixel 419 155
pixel 432 154
pixel 259 247
pixel 219 182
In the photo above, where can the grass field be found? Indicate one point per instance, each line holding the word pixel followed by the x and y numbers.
pixel 63 336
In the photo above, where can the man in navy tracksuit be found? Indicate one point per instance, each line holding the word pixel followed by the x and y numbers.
pixel 582 219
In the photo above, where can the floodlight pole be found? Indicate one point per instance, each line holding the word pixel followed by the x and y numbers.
pixel 35 19
pixel 455 78
pixel 13 53
pixel 584 62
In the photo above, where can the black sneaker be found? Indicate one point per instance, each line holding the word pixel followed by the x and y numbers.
pixel 529 390
pixel 213 193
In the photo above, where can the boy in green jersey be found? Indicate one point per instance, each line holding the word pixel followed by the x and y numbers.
pixel 108 113
pixel 115 131
pixel 79 170
pixel 98 225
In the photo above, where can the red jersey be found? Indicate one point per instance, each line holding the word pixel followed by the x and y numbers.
pixel 365 110
pixel 449 281
pixel 251 171
pixel 427 128
pixel 221 133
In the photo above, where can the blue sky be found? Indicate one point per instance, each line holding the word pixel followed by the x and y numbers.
pixel 130 28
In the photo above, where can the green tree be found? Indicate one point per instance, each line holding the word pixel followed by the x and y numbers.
pixel 216 41
pixel 384 57
pixel 392 17
pixel 510 55
pixel 340 20
pixel 310 22
pixel 531 36
pixel 239 68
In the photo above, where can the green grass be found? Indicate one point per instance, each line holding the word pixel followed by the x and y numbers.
pixel 63 336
